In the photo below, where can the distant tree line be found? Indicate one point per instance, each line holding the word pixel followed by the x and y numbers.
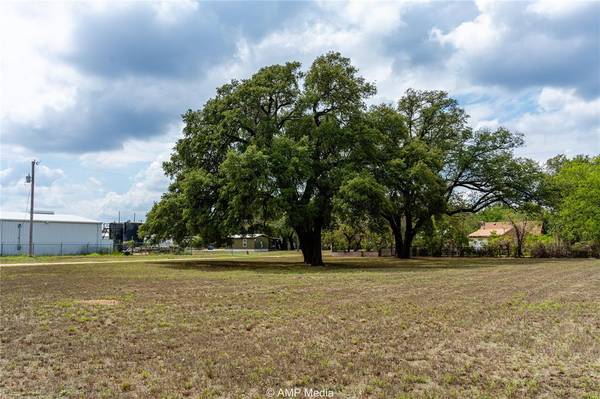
pixel 299 154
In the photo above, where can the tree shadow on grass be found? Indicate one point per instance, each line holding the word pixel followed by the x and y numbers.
pixel 343 265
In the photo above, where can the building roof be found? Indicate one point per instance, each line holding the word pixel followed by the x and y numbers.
pixel 492 228
pixel 256 235
pixel 44 217
pixel 501 228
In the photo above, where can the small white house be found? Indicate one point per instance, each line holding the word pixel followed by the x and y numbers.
pixel 479 238
pixel 53 234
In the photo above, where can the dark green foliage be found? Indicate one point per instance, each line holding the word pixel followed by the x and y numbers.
pixel 424 162
pixel 278 152
pixel 573 188
pixel 275 145
pixel 447 235
pixel 165 220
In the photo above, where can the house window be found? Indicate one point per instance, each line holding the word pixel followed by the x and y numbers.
pixel 245 243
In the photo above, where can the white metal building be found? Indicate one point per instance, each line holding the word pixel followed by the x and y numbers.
pixel 53 234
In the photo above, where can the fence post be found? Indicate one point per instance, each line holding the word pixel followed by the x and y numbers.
pixel 87 249
pixel 61 251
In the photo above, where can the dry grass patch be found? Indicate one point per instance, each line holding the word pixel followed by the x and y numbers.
pixel 359 327
pixel 101 302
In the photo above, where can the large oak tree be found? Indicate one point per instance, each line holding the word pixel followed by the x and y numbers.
pixel 275 145
pixel 423 161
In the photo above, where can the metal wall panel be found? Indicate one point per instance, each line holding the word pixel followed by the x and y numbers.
pixel 52 238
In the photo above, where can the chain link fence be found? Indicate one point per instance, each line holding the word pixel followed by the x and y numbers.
pixel 40 249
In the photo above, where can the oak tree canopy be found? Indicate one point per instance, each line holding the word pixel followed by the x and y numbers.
pixel 292 144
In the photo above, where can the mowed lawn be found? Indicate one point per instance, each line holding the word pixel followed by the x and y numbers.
pixel 247 327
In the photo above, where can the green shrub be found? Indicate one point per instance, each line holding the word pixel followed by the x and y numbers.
pixel 581 250
pixel 539 250
pixel 196 242
pixel 545 246
pixel 548 247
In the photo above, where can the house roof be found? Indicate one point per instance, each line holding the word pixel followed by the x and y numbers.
pixel 492 228
pixel 44 217
pixel 501 228
pixel 256 235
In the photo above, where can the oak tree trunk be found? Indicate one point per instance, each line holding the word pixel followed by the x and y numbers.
pixel 406 247
pixel 403 243
pixel 310 243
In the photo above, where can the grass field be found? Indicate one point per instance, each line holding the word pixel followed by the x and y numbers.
pixel 248 327
pixel 119 257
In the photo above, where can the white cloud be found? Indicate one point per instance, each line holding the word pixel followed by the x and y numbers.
pixel 553 8
pixel 134 151
pixel 561 118
pixel 363 16
pixel 49 174
pixel 474 36
pixel 148 186
pixel 169 12
pixel 30 80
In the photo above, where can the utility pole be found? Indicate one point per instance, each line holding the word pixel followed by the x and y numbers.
pixel 31 179
pixel 122 227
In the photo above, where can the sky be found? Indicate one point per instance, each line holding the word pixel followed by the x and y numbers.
pixel 95 90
